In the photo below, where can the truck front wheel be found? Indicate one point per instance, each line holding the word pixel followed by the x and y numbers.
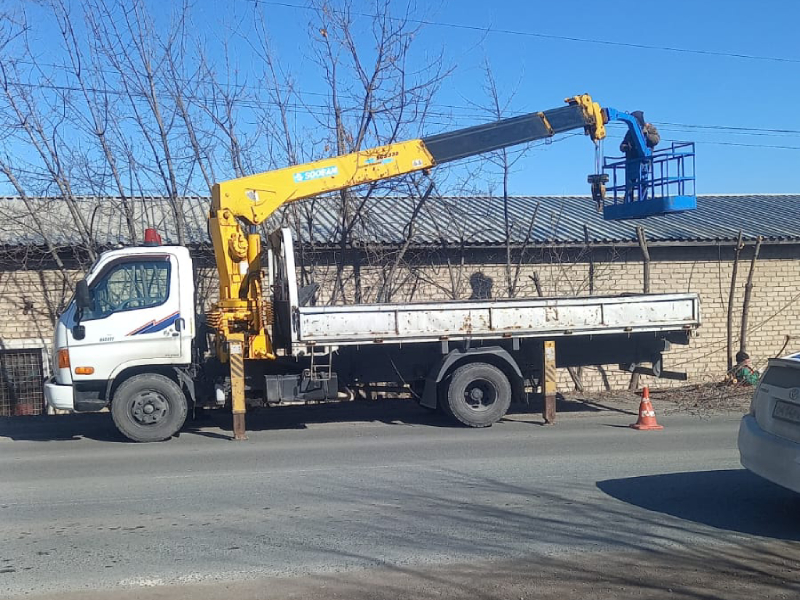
pixel 149 408
pixel 478 394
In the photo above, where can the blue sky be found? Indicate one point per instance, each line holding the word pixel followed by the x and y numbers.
pixel 671 87
pixel 688 95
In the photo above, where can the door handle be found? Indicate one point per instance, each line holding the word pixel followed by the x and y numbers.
pixel 179 324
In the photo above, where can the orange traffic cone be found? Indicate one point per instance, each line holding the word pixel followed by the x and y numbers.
pixel 647 416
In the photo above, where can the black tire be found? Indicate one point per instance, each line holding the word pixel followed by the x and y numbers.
pixel 478 395
pixel 149 408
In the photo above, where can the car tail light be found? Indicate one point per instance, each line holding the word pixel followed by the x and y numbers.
pixel 63 358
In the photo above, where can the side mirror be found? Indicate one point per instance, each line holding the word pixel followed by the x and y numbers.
pixel 83 299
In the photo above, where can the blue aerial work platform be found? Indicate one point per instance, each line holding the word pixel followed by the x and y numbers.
pixel 646 182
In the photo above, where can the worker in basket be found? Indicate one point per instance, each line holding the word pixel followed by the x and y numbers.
pixel 636 169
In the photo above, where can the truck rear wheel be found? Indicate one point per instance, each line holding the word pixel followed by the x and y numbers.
pixel 149 408
pixel 478 395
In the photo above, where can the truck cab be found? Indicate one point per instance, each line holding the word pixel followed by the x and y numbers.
pixel 140 316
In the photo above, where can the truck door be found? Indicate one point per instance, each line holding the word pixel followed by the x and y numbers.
pixel 135 317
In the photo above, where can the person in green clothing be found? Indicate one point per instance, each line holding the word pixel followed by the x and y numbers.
pixel 744 371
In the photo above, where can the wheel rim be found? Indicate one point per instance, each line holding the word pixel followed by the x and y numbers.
pixel 480 395
pixel 149 408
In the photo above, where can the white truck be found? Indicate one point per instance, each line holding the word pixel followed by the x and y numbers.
pixel 130 338
pixel 141 348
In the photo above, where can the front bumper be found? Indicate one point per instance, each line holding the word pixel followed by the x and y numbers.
pixel 58 396
pixel 772 457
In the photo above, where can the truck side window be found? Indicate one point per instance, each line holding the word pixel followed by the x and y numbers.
pixel 129 285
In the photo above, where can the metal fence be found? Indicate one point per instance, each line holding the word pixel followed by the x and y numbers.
pixel 21 382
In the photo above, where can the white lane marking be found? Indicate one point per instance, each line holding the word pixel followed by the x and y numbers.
pixel 141 582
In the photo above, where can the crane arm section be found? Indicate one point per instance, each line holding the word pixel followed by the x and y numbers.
pixel 251 200
pixel 256 197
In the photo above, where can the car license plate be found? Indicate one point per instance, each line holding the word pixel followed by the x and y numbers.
pixel 786 411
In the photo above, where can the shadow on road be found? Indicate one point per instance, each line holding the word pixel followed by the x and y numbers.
pixel 734 500
pixel 207 423
pixel 59 428
pixel 98 426
pixel 573 405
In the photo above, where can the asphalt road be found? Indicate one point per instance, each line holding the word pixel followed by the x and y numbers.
pixel 383 500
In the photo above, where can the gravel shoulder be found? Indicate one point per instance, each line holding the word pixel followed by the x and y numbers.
pixel 701 400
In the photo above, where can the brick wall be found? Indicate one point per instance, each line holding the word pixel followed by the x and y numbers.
pixel 29 299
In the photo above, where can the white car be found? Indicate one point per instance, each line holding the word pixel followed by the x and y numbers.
pixel 769 435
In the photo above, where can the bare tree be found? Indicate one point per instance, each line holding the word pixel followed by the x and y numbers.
pixel 374 98
pixel 277 112
pixel 504 159
pixel 26 179
pixel 92 108
pixel 136 51
pixel 133 110
pixel 42 132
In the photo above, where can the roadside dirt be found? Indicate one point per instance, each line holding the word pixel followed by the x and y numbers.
pixel 706 399
pixel 700 400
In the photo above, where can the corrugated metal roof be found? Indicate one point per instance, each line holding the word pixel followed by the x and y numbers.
pixel 103 216
pixel 473 220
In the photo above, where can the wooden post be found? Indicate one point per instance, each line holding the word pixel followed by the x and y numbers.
pixel 604 377
pixel 645 257
pixel 573 372
pixel 549 382
pixel 731 295
pixel 576 373
pixel 238 405
pixel 537 283
pixel 591 259
pixel 748 291
pixel 633 385
pixel 357 273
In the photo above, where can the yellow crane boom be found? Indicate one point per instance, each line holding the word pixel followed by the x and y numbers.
pixel 251 200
